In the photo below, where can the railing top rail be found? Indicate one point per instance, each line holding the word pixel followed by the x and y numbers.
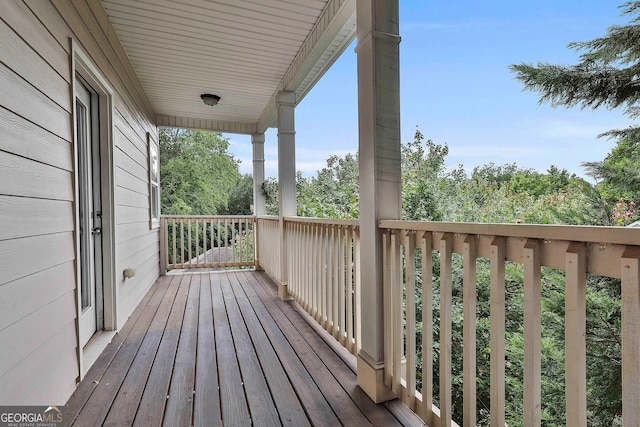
pixel 574 233
pixel 269 217
pixel 207 216
pixel 327 221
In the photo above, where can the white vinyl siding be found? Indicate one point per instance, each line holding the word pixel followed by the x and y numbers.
pixel 38 341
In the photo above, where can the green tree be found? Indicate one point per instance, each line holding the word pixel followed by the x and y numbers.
pixel 241 197
pixel 606 76
pixel 197 173
pixel 423 177
pixel 618 173
pixel 333 192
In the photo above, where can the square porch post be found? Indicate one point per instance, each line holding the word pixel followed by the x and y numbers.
pixel 286 177
pixel 380 177
pixel 259 199
pixel 259 203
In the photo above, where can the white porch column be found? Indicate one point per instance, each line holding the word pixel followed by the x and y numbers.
pixel 287 153
pixel 380 177
pixel 286 176
pixel 259 204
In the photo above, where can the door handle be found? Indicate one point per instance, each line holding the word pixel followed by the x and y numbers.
pixel 96 230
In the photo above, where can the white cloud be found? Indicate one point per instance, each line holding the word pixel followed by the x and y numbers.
pixel 566 129
pixel 308 160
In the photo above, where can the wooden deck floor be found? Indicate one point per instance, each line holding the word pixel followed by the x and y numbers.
pixel 220 348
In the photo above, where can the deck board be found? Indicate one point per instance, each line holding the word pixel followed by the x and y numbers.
pixel 152 406
pixel 315 404
pixel 343 374
pixel 259 398
pixel 345 410
pixel 284 395
pixel 123 410
pixel 235 410
pixel 220 348
pixel 181 392
pixel 206 408
pixel 98 405
pixel 94 375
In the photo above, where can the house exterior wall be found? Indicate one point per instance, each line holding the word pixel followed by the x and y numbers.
pixel 38 305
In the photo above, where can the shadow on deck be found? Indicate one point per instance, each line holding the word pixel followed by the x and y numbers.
pixel 220 348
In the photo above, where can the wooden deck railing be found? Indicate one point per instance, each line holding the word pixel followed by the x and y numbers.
pixel 268 244
pixel 207 241
pixel 409 249
pixel 323 273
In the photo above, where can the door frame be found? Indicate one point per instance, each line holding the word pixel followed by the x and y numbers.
pixel 82 65
pixel 89 201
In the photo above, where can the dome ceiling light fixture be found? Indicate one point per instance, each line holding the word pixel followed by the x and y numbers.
pixel 210 99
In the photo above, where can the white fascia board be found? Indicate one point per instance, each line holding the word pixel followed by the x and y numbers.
pixel 333 32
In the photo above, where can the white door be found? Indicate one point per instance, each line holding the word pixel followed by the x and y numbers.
pixel 88 211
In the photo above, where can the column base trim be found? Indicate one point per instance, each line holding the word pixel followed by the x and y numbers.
pixel 283 292
pixel 371 379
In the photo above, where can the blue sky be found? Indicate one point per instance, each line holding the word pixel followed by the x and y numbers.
pixel 456 87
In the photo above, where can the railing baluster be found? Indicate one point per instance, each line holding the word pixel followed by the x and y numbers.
pixel 304 279
pixel 300 232
pixel 182 241
pixel 219 236
pixel 319 285
pixel 631 337
pixel 445 330
pixel 212 242
pixel 388 319
pixel 575 330
pixel 307 282
pixel 331 292
pixel 469 331
pixel 410 251
pixel 349 273
pixel 164 246
pixel 197 243
pixel 397 339
pixel 173 257
pixel 317 271
pixel 241 240
pixel 341 286
pixel 245 241
pixel 497 313
pixel 290 254
pixel 356 287
pixel 233 242
pixel 323 280
pixel 203 233
pixel 427 326
pixel 189 242
pixel 333 272
pixel 295 268
pixel 532 334
pixel 204 242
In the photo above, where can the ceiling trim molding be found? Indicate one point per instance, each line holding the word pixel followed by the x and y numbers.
pixel 166 121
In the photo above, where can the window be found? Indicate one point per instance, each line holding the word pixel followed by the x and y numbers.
pixel 154 183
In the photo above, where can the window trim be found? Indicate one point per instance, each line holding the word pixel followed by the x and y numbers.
pixel 154 182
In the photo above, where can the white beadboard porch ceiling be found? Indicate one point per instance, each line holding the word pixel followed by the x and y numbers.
pixel 244 51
